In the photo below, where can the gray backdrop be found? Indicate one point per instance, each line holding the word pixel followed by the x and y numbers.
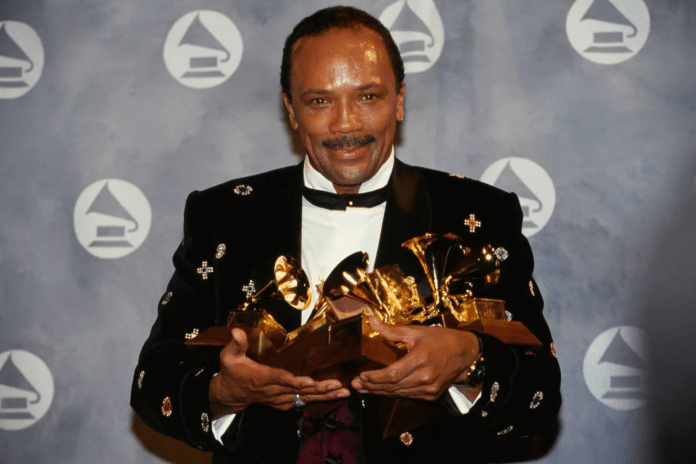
pixel 585 108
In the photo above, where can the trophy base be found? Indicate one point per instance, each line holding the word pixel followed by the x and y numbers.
pixel 509 332
pixel 339 350
pixel 263 332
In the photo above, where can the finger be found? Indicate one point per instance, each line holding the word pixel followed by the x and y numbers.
pixel 394 333
pixel 285 379
pixel 333 395
pixel 239 341
pixel 395 372
pixel 280 402
pixel 377 388
pixel 418 379
pixel 421 393
pixel 326 386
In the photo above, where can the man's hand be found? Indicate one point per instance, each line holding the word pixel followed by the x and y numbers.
pixel 242 382
pixel 436 357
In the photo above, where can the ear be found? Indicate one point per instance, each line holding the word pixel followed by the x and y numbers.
pixel 291 111
pixel 400 96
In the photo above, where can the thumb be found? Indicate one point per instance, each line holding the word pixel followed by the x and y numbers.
pixel 390 332
pixel 239 343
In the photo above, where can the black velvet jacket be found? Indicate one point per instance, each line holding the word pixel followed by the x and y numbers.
pixel 257 219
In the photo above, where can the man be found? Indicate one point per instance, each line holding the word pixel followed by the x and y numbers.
pixel 342 80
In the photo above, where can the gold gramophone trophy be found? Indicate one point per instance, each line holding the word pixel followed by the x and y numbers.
pixel 338 342
pixel 456 275
pixel 264 333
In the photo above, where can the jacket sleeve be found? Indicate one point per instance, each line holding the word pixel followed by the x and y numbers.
pixel 170 383
pixel 521 391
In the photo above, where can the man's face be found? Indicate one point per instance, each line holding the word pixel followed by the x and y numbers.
pixel 345 104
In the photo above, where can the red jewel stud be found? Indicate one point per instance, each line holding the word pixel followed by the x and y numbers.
pixel 167 407
pixel 472 222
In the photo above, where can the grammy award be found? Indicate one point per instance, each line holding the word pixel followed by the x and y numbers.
pixel 337 342
pixel 264 334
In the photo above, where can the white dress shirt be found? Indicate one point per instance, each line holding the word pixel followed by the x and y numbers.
pixel 329 236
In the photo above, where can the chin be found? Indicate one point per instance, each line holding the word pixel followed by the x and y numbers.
pixel 349 181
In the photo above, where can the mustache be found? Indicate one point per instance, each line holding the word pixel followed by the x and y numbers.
pixel 349 141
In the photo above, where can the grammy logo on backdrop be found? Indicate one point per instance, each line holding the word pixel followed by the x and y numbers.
pixel 623 386
pixel 508 180
pixel 615 370
pixel 608 31
pixel 205 65
pixel 111 235
pixel 416 36
pixel 112 218
pixel 203 49
pixel 609 41
pixel 418 31
pixel 20 393
pixel 531 183
pixel 26 389
pixel 11 76
pixel 21 59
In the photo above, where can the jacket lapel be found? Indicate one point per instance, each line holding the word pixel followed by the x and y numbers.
pixel 285 229
pixel 408 214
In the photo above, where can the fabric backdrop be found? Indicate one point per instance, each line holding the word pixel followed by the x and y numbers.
pixel 112 111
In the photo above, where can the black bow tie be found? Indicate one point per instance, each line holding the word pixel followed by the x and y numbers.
pixel 336 201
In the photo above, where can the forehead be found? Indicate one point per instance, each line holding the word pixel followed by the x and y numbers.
pixel 340 55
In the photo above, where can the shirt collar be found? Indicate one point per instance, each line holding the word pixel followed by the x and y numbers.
pixel 315 180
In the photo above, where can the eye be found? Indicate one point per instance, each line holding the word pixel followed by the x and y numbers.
pixel 369 96
pixel 319 101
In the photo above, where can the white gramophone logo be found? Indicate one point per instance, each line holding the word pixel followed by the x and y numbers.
pixel 531 183
pixel 21 59
pixel 112 218
pixel 608 31
pixel 418 31
pixel 26 389
pixel 203 49
pixel 614 368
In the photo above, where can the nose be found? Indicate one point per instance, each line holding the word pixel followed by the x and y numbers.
pixel 346 118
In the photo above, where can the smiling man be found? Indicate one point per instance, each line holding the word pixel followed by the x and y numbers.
pixel 346 115
pixel 343 87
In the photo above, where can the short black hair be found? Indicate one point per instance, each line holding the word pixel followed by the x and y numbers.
pixel 339 17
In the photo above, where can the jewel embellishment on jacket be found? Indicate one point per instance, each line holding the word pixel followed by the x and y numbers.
pixel 536 401
pixel 166 298
pixel 472 222
pixel 501 253
pixel 242 189
pixel 204 270
pixel 220 251
pixel 167 407
pixel 249 289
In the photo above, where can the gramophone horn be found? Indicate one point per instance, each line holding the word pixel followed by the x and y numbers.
pixel 435 252
pixel 290 283
pixel 480 268
pixel 346 275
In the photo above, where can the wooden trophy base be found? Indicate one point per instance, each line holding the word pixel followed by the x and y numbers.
pixel 263 332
